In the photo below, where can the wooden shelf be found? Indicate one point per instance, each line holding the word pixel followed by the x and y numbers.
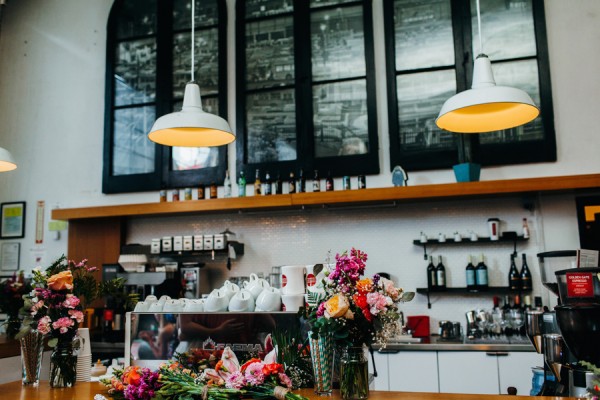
pixel 338 198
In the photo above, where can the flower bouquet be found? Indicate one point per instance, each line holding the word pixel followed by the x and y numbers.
pixel 355 311
pixel 11 301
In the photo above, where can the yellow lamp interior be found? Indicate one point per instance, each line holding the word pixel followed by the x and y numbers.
pixel 191 137
pixel 488 117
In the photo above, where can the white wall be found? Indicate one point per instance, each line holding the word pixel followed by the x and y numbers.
pixel 52 59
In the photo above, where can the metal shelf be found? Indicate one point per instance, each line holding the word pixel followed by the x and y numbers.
pixel 457 291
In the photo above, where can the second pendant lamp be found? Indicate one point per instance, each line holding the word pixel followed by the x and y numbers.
pixel 192 126
pixel 486 107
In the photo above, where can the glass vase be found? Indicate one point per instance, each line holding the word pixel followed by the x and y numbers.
pixel 321 354
pixel 32 350
pixel 354 374
pixel 63 365
pixel 13 326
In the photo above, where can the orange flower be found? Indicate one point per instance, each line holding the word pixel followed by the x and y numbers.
pixel 247 363
pixel 132 376
pixel 336 306
pixel 364 285
pixel 272 369
pixel 61 281
pixel 219 365
pixel 117 384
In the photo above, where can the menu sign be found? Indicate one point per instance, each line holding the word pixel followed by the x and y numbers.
pixel 580 284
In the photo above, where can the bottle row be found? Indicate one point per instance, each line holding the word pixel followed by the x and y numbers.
pixel 477 275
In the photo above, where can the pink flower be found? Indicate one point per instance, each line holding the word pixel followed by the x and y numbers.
pixel 44 325
pixel 284 379
pixel 71 301
pixel 63 324
pixel 36 307
pixel 377 301
pixel 389 288
pixel 76 315
pixel 235 381
pixel 254 375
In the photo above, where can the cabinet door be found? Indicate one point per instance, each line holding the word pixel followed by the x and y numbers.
pixel 414 371
pixel 468 372
pixel 381 381
pixel 515 370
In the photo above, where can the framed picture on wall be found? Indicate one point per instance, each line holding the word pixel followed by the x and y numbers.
pixel 10 256
pixel 12 220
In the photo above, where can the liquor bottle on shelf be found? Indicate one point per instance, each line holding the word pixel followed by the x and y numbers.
pixel 267 186
pixel 481 275
pixel 525 229
pixel 292 184
pixel 525 275
pixel 514 278
pixel 301 187
pixel 241 185
pixel 440 274
pixel 470 272
pixel 213 190
pixel 257 183
pixel 517 303
pixel 316 184
pixel 329 182
pixel 227 185
pixel 431 275
pixel 201 192
pixel 278 185
pixel 527 302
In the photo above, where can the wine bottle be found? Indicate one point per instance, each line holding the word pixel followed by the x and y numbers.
pixel 470 271
pixel 257 183
pixel 267 187
pixel 517 304
pixel 440 274
pixel 431 275
pixel 278 185
pixel 241 185
pixel 481 275
pixel 525 275
pixel 316 182
pixel 292 184
pixel 301 187
pixel 527 302
pixel 514 278
pixel 329 183
pixel 213 190
pixel 227 185
pixel 525 229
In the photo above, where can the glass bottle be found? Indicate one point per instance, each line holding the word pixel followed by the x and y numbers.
pixel 267 186
pixel 292 184
pixel 431 275
pixel 525 275
pixel 316 184
pixel 470 273
pixel 354 375
pixel 440 274
pixel 301 182
pixel 227 185
pixel 213 190
pixel 278 185
pixel 514 278
pixel 329 183
pixel 257 183
pixel 242 185
pixel 525 229
pixel 481 275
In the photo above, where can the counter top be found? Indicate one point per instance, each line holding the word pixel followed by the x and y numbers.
pixel 434 343
pixel 87 390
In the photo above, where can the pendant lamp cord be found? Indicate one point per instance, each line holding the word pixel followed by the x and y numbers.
pixel 193 31
pixel 479 28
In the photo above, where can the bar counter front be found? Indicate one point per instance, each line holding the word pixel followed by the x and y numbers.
pixel 87 390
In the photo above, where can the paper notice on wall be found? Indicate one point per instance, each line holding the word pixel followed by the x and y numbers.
pixel 587 258
pixel 39 222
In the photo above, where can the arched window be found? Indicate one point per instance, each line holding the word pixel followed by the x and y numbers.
pixel 148 65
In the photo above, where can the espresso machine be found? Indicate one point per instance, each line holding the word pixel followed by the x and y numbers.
pixel 570 333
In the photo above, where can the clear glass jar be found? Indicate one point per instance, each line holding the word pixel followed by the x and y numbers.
pixel 354 374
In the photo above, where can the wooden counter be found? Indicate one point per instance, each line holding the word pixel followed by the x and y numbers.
pixel 87 390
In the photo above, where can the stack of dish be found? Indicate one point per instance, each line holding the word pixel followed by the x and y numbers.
pixel 84 358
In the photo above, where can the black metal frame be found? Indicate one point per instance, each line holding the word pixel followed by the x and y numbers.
pixel 486 154
pixel 163 175
pixel 337 166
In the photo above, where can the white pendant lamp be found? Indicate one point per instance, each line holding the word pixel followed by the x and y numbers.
pixel 486 107
pixel 7 163
pixel 192 126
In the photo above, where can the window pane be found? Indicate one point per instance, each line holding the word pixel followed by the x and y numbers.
pixel 338 43
pixel 206 59
pixel 269 53
pixel 340 119
pixel 207 13
pixel 506 27
pixel 271 126
pixel 260 8
pixel 135 72
pixel 420 98
pixel 321 3
pixel 133 152
pixel 522 75
pixel 137 18
pixel 423 34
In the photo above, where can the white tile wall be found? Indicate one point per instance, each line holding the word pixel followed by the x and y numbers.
pixel 386 233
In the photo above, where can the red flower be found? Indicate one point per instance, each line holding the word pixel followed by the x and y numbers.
pixel 367 314
pixel 272 369
pixel 247 363
pixel 360 300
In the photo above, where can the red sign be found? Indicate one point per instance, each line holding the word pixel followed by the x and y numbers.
pixel 580 284
pixel 311 280
pixel 283 280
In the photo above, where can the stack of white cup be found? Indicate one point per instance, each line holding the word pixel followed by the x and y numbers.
pixel 84 358
pixel 292 287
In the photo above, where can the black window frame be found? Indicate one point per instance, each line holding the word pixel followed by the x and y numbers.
pixel 163 176
pixel 494 154
pixel 306 160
